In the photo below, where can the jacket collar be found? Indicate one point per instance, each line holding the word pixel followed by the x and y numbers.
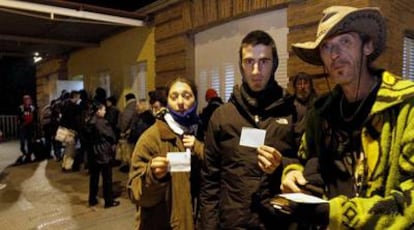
pixel 165 131
pixel 393 91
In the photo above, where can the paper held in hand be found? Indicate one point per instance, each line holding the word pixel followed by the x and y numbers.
pixel 287 202
pixel 252 137
pixel 303 198
pixel 179 161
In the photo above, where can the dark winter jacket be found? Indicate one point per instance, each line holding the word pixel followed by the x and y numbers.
pixel 231 178
pixel 101 145
pixel 140 122
pixel 205 115
pixel 71 116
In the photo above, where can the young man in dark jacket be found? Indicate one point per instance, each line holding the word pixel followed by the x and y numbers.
pixel 100 148
pixel 233 176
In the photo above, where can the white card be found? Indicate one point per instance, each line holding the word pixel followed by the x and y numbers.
pixel 252 137
pixel 303 198
pixel 179 161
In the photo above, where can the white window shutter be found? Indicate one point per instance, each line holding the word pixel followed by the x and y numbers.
pixel 408 58
pixel 217 58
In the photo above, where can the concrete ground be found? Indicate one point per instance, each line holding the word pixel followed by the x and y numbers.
pixel 39 195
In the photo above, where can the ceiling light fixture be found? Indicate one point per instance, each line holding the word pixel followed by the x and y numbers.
pixel 54 10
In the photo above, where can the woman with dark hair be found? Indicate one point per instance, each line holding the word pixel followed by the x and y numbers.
pixel 163 195
pixel 101 152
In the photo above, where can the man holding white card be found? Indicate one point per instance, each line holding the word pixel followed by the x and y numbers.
pixel 245 141
pixel 163 176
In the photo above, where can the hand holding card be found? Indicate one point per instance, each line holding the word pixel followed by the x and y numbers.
pixel 179 161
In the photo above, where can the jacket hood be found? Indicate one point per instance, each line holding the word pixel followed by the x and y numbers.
pixel 393 91
pixel 274 100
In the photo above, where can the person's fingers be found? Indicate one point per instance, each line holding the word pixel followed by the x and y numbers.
pixel 266 169
pixel 271 154
pixel 300 179
pixel 159 167
pixel 292 182
pixel 264 161
pixel 289 186
pixel 188 141
pixel 266 166
pixel 158 162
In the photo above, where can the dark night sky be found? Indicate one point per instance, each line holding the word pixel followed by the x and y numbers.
pixel 17 77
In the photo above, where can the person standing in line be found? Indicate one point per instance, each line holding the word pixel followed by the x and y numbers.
pixel 71 119
pixel 158 101
pixel 236 179
pixel 358 146
pixel 100 148
pixel 27 121
pixel 164 197
pixel 141 121
pixel 213 102
pixel 125 122
pixel 112 114
pixel 304 97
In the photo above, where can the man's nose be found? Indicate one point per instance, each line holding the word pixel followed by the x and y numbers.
pixel 256 68
pixel 335 51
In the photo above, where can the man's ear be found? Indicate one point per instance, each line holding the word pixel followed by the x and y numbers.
pixel 368 47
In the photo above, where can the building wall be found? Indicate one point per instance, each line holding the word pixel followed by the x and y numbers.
pixel 176 24
pixel 47 74
pixel 115 55
pixel 399 17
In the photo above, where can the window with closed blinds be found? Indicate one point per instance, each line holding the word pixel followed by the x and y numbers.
pixel 138 76
pixel 228 80
pixel 217 58
pixel 408 58
pixel 105 81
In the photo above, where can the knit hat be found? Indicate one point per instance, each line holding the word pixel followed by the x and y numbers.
pixel 129 96
pixel 343 19
pixel 112 99
pixel 210 93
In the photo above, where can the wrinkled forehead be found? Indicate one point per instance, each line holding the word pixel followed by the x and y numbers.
pixel 180 87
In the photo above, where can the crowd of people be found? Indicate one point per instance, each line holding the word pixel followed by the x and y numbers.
pixel 222 168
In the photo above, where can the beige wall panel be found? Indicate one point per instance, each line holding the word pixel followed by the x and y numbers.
pixel 164 77
pixel 165 16
pixel 210 11
pixel 170 62
pixel 225 9
pixel 172 45
pixel 168 30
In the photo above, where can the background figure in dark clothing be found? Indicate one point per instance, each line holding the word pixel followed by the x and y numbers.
pixel 141 121
pixel 27 119
pixel 158 100
pixel 71 119
pixel 46 123
pixel 100 95
pixel 112 114
pixel 81 156
pixel 125 121
pixel 101 151
pixel 304 96
pixel 214 101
